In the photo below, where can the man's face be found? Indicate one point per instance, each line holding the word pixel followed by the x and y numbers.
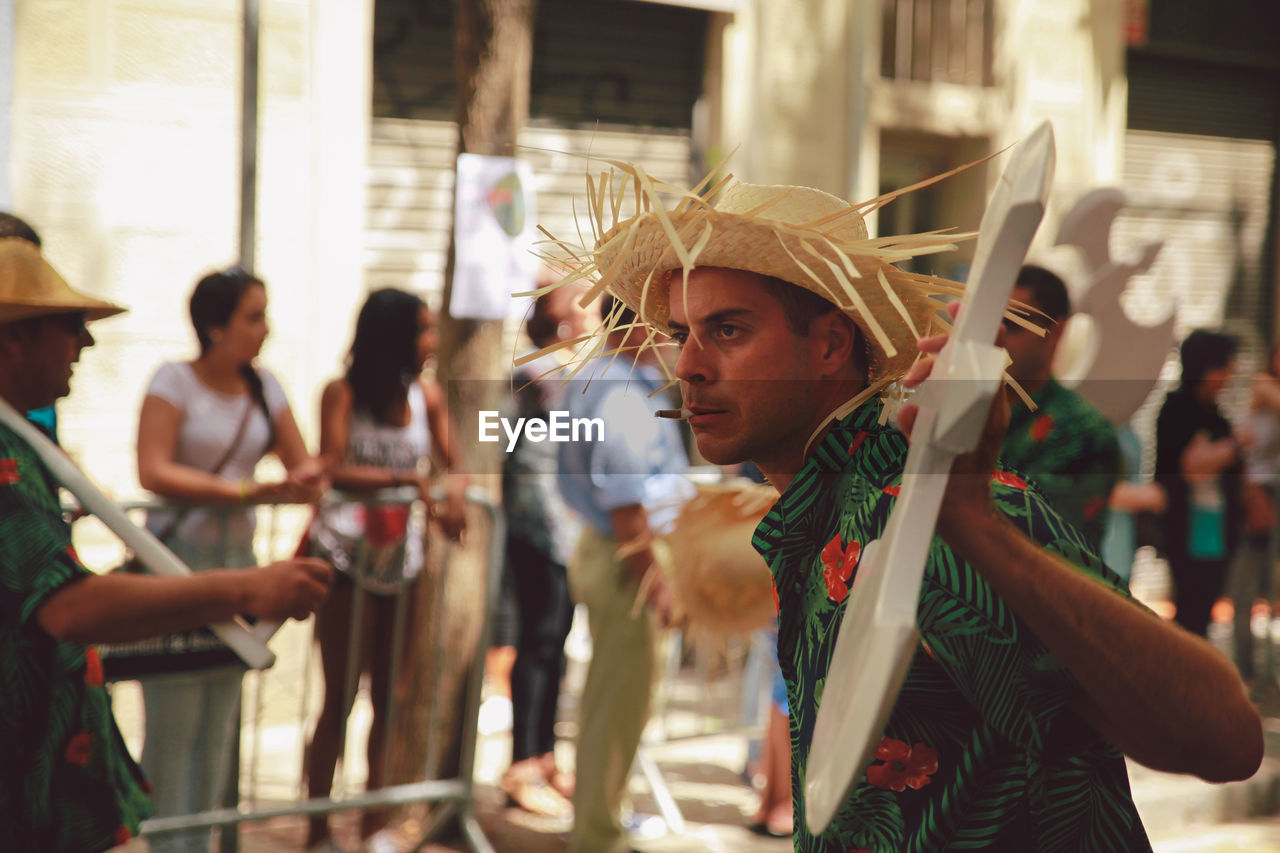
pixel 45 350
pixel 746 375
pixel 1032 355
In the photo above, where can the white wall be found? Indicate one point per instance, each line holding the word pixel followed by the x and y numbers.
pixel 125 157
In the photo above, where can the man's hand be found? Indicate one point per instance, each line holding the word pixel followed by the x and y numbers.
pixel 289 589
pixel 968 495
pixel 660 601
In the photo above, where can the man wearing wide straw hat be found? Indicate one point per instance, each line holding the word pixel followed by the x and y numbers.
pixel 1036 673
pixel 66 782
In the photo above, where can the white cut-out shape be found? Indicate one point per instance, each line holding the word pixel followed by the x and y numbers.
pixel 1117 372
pixel 878 634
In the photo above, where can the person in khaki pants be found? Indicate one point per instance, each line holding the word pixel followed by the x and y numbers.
pixel 625 486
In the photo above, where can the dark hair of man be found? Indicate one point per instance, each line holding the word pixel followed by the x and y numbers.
pixel 1048 292
pixel 383 361
pixel 609 306
pixel 800 305
pixel 214 300
pixel 542 325
pixel 13 226
pixel 1202 351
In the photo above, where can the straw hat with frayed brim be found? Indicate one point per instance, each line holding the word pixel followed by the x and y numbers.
pixel 30 287
pixel 800 235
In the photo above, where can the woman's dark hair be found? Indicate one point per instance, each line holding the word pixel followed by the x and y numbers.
pixel 214 300
pixel 384 354
pixel 1203 351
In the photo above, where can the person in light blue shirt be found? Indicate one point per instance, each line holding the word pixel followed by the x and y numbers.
pixel 626 487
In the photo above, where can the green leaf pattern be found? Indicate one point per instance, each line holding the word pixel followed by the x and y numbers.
pixel 48 803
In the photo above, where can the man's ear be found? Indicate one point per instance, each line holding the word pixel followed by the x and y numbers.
pixel 835 339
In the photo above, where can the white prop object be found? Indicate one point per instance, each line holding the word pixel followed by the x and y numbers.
pixel 249 645
pixel 878 634
pixel 1124 365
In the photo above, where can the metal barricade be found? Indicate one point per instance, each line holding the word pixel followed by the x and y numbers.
pixel 276 537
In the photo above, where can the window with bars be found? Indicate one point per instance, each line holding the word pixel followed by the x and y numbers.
pixel 940 41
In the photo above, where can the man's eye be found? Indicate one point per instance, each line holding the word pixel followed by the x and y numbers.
pixel 728 331
pixel 679 338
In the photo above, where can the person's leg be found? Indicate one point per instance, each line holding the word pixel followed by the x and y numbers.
pixel 534 678
pixel 1245 579
pixel 775 813
pixel 383 686
pixel 560 621
pixel 217 733
pixel 615 699
pixel 172 726
pixel 332 630
pixel 1198 583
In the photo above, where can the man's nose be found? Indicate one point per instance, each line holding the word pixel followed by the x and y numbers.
pixel 692 366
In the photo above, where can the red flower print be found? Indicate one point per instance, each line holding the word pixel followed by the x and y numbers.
pixel 777 605
pixel 859 850
pixel 1041 427
pixel 92 667
pixel 79 749
pixel 71 552
pixel 1093 507
pixel 857 442
pixel 892 491
pixel 9 471
pixel 838 563
pixel 903 766
pixel 122 835
pixel 1010 479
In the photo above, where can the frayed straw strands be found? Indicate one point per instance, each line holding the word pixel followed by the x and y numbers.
pixel 801 235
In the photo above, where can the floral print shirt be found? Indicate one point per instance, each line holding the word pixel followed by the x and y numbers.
pixel 982 749
pixel 1069 451
pixel 66 781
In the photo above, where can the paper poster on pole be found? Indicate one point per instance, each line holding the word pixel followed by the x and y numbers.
pixel 494 226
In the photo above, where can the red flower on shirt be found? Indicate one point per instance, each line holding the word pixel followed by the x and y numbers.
pixel 904 766
pixel 857 441
pixel 838 563
pixel 892 491
pixel 92 667
pixel 9 471
pixel 122 835
pixel 1010 479
pixel 1041 427
pixel 1094 506
pixel 79 750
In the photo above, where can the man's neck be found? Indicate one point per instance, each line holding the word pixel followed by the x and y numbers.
pixel 781 470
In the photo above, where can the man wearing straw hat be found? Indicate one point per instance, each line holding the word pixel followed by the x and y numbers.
pixel 66 781
pixel 1036 673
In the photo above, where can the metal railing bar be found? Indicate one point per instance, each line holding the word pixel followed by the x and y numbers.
pixel 442 790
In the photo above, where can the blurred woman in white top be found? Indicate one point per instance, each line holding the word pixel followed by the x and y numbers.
pixel 216 411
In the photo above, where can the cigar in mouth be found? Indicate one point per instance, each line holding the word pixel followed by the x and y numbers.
pixel 674 414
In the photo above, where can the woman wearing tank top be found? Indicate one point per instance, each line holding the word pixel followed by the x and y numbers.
pixel 203 427
pixel 379 424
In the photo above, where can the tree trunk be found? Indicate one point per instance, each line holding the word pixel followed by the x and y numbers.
pixel 493 44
